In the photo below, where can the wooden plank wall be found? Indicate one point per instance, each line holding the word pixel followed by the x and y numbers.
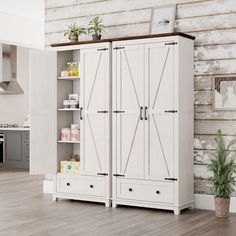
pixel 213 22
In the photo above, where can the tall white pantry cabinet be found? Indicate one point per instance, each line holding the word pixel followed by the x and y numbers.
pixel 135 117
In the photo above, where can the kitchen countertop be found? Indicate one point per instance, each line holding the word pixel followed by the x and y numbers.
pixel 14 129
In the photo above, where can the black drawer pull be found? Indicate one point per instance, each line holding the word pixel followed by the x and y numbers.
pixel 91 186
pixel 171 111
pixel 130 190
pixel 172 179
pixel 157 192
pixel 68 184
pixel 118 175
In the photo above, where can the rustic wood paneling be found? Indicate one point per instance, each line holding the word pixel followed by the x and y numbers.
pixel 228 127
pixel 215 52
pixel 212 7
pixel 212 22
pixel 207 142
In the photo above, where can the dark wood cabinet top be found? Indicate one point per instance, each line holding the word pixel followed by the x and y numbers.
pixel 123 38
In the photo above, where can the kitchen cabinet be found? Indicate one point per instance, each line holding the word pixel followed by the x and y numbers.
pixel 17 149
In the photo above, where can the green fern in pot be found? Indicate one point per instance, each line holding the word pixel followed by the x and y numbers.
pixel 222 181
pixel 74 31
pixel 96 27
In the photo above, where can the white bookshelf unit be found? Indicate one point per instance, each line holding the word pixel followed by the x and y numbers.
pixel 92 183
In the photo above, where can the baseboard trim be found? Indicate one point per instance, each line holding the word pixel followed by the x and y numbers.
pixel 206 202
pixel 47 186
pixel 202 201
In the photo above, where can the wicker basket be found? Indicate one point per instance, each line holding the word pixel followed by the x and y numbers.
pixel 222 206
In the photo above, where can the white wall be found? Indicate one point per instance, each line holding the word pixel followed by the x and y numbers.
pixel 14 108
pixel 22 22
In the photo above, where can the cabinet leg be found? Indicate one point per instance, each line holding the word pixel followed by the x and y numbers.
pixel 54 198
pixel 191 207
pixel 114 205
pixel 108 203
pixel 177 211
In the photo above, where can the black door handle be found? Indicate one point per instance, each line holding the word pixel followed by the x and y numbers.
pixel 157 192
pixel 68 184
pixel 91 186
pixel 141 113
pixel 145 113
pixel 130 190
pixel 81 116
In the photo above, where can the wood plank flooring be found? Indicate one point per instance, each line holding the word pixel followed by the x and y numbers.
pixel 26 211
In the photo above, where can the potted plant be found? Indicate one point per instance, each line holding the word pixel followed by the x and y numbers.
pixel 222 181
pixel 74 31
pixel 96 27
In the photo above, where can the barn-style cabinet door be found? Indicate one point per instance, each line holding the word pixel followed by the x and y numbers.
pixel 160 110
pixel 43 85
pixel 95 110
pixel 128 99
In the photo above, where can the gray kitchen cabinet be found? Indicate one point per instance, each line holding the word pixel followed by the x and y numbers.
pixel 17 149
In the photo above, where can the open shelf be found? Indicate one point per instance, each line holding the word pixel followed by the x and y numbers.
pixel 69 78
pixel 68 109
pixel 60 141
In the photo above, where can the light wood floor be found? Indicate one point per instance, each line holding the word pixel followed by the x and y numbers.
pixel 25 211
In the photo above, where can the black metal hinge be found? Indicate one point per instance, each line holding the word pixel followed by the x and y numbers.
pixel 171 111
pixel 104 174
pixel 172 179
pixel 119 175
pixel 117 48
pixel 102 111
pixel 118 111
pixel 172 43
pixel 102 49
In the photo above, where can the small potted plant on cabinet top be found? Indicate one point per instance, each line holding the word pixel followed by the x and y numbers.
pixel 74 31
pixel 96 27
pixel 222 181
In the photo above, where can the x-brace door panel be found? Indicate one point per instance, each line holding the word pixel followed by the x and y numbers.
pixel 129 100
pixel 95 111
pixel 159 64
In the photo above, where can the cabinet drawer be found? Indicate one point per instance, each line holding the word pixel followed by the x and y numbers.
pixel 81 185
pixel 145 190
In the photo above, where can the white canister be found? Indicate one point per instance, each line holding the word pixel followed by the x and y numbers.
pixel 75 135
pixel 65 134
pixel 74 126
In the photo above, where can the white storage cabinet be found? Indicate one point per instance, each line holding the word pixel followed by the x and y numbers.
pixel 48 90
pixel 152 123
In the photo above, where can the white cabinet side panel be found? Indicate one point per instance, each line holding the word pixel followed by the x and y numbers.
pixel 43 112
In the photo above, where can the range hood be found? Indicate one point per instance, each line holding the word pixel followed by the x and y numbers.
pixel 10 87
pixel 9 84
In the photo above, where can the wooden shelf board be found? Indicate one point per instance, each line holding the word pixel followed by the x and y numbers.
pixel 68 109
pixel 69 78
pixel 75 142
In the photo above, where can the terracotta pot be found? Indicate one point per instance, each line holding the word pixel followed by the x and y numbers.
pixel 222 206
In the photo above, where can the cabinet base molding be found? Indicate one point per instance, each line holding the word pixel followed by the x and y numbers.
pixel 57 196
pixel 177 209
